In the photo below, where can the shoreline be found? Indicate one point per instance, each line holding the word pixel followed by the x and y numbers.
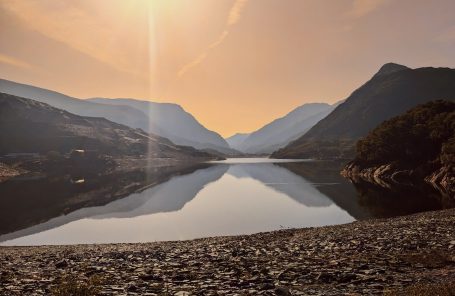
pixel 363 257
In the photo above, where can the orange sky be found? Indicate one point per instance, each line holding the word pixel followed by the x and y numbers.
pixel 234 64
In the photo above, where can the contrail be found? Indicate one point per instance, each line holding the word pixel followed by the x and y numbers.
pixel 233 17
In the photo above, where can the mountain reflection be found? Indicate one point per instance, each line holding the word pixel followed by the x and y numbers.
pixel 34 205
pixel 284 181
pixel 166 196
pixel 30 200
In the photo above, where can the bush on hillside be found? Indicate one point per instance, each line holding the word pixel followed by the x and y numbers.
pixel 422 135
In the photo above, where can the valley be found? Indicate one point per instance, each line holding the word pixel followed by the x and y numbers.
pixel 353 197
pixel 229 147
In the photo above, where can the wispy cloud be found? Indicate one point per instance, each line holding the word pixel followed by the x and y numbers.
pixel 235 12
pixel 361 8
pixel 12 61
pixel 234 16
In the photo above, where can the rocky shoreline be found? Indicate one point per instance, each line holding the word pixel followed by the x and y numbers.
pixel 385 175
pixel 393 256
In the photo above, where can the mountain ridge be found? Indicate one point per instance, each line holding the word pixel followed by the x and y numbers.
pixel 172 121
pixel 281 131
pixel 120 113
pixel 41 128
pixel 380 98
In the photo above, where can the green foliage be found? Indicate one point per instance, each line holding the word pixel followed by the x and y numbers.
pixel 420 135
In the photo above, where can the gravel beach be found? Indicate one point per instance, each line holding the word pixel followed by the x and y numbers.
pixel 411 255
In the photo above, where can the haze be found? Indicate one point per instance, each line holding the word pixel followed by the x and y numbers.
pixel 235 65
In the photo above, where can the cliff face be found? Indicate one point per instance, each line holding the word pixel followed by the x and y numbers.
pixel 416 146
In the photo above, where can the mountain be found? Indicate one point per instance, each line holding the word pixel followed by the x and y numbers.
pixel 236 140
pixel 417 145
pixel 390 68
pixel 28 126
pixel 281 131
pixel 173 122
pixel 390 92
pixel 166 120
pixel 119 114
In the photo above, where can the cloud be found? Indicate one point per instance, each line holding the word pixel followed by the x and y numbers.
pixel 233 17
pixel 361 8
pixel 235 12
pixel 12 61
pixel 193 63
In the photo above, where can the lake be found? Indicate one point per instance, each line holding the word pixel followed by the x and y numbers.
pixel 232 197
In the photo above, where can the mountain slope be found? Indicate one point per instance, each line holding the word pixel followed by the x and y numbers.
pixel 173 122
pixel 120 114
pixel 281 131
pixel 392 91
pixel 236 140
pixel 31 126
pixel 167 120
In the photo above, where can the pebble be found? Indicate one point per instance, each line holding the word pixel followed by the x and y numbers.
pixel 365 257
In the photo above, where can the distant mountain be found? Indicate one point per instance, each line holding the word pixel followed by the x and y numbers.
pixel 390 92
pixel 119 114
pixel 28 126
pixel 173 122
pixel 236 140
pixel 167 120
pixel 281 131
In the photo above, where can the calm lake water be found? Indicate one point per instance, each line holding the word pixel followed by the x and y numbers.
pixel 236 196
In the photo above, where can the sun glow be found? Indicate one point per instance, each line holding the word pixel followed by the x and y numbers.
pixel 267 56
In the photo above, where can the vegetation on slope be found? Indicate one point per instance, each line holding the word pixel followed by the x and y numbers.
pixel 424 134
pixel 418 144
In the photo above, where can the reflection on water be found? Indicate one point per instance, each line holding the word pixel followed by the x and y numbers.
pixel 224 198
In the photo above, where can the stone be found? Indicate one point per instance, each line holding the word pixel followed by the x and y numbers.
pixel 282 291
pixel 61 264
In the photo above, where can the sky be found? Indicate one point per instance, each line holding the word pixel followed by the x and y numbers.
pixel 234 64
